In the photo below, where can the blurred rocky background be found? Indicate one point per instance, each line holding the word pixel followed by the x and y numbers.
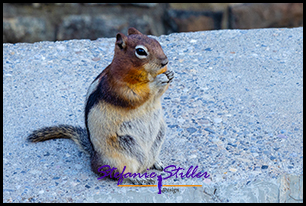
pixel 32 22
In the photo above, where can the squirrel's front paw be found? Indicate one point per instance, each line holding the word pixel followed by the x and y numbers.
pixel 165 78
pixel 170 75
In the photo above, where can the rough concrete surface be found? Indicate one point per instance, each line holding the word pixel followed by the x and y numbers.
pixel 234 109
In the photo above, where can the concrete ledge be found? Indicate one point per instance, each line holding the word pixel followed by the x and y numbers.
pixel 235 109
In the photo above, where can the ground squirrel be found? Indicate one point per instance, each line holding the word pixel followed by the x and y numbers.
pixel 123 113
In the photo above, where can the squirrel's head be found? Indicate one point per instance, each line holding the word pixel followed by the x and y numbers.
pixel 138 56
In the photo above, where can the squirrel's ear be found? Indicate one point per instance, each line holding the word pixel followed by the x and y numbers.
pixel 121 40
pixel 132 30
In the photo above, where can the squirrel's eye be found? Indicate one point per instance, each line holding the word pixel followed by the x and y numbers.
pixel 141 52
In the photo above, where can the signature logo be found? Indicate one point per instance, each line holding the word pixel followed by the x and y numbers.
pixel 171 170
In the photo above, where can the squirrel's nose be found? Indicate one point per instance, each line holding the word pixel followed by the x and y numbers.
pixel 164 62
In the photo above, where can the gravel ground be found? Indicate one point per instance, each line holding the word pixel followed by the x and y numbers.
pixel 234 109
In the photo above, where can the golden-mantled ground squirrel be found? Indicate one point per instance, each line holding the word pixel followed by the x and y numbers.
pixel 123 113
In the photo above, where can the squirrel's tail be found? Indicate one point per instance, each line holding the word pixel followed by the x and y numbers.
pixel 77 134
